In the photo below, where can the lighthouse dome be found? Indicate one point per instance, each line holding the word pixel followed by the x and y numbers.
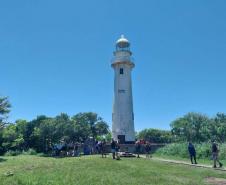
pixel 122 42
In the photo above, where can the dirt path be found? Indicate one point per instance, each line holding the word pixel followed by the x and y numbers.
pixel 215 181
pixel 185 163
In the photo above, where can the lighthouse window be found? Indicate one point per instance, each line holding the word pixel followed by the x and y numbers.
pixel 121 71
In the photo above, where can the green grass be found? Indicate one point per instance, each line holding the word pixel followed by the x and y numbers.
pixel 93 170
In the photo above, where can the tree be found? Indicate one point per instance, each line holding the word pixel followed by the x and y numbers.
pixel 10 137
pixel 43 132
pixel 220 126
pixel 155 135
pixel 92 124
pixel 89 119
pixel 22 131
pixel 32 130
pixel 192 126
pixel 63 126
pixel 4 110
pixel 47 135
pixel 101 128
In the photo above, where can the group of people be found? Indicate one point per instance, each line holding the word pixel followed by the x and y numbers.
pixel 101 147
pixel 72 149
pixel 140 147
pixel 115 149
pixel 63 149
pixel 147 148
pixel 215 154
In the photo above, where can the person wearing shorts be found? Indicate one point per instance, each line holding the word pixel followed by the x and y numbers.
pixel 215 153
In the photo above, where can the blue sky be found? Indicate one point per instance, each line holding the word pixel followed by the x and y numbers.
pixel 55 57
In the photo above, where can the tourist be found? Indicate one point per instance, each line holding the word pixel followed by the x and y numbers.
pixel 97 150
pixel 138 148
pixel 113 147
pixel 100 147
pixel 148 150
pixel 103 148
pixel 215 153
pixel 192 152
pixel 117 149
pixel 76 150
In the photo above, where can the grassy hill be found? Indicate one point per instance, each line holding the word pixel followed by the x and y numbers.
pixel 93 170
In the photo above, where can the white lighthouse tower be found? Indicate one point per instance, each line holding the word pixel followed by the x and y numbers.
pixel 122 116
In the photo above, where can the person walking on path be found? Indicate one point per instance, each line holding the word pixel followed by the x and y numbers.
pixel 215 153
pixel 113 148
pixel 192 152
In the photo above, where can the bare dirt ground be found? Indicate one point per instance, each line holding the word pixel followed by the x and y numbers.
pixel 215 181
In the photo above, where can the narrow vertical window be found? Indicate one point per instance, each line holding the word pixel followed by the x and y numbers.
pixel 121 71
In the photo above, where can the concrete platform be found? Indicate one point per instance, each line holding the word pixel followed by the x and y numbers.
pixel 126 154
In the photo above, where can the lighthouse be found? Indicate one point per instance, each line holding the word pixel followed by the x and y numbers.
pixel 122 115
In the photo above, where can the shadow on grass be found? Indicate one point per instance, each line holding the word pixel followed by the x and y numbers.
pixel 2 160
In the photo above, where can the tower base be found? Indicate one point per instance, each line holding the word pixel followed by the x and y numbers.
pixel 122 139
pixel 129 142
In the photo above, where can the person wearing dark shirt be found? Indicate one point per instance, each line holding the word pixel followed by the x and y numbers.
pixel 76 150
pixel 215 153
pixel 192 152
pixel 103 148
pixel 117 149
pixel 138 148
pixel 113 148
pixel 148 150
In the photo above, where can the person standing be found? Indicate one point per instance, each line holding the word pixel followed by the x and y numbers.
pixel 192 152
pixel 138 148
pixel 117 149
pixel 215 153
pixel 148 149
pixel 113 148
pixel 103 149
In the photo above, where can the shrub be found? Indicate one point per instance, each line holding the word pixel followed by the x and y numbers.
pixel 174 149
pixel 43 155
pixel 223 151
pixel 30 151
pixel 203 150
pixel 12 153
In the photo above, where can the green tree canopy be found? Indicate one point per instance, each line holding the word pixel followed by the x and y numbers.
pixel 155 135
pixel 197 127
pixel 43 132
pixel 4 109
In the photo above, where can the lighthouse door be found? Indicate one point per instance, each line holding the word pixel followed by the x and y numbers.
pixel 121 139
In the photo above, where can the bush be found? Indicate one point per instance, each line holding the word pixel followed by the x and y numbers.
pixel 203 150
pixel 30 151
pixel 174 149
pixel 12 153
pixel 223 151
pixel 43 155
pixel 18 152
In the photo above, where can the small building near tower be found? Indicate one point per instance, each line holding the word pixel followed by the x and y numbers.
pixel 122 115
